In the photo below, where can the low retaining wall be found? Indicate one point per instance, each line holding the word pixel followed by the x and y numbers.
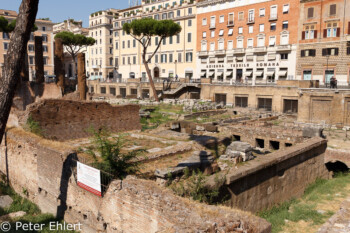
pixel 334 155
pixel 46 170
pixel 65 119
pixel 276 177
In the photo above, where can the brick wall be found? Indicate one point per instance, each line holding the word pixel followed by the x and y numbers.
pixel 64 119
pixel 46 170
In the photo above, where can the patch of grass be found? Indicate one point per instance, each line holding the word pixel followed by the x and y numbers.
pixel 33 213
pixel 305 208
pixel 33 126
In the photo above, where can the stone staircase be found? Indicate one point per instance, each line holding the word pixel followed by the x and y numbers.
pixel 181 87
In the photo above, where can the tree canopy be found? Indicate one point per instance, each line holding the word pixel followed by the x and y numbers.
pixel 143 30
pixel 6 26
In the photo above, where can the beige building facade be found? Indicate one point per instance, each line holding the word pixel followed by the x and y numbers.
pixel 176 55
pixel 99 59
pixel 45 29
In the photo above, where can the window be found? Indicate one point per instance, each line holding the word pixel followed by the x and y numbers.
pixel 134 43
pixel 284 39
pixel 273 27
pixel 44 29
pixel 156 58
pixel 230 32
pixel 250 16
pixel 30 48
pixel 45 49
pixel 221 33
pixel 262 12
pixel 230 45
pixel 133 60
pixel 157 41
pixel 189 57
pixel 123 44
pixel 261 27
pixel 170 40
pixel 241 16
pixel 170 57
pixel 240 30
pixel 221 45
pixel 261 42
pixel 250 43
pixel 309 33
pixel 212 34
pixel 310 12
pixel 189 37
pixel 222 19
pixel 284 56
pixel 204 35
pixel 46 60
pixel 273 12
pixel 189 22
pixel 44 36
pixel 308 53
pixel 178 38
pixel 179 57
pixel 285 8
pixel 164 41
pixel 240 43
pixel 332 30
pixel 212 46
pixel 250 29
pixel 31 60
pixel 6 46
pixel 333 9
pixel 204 46
pixel 163 58
pixel 212 22
pixel 272 41
pixel 230 20
pixel 204 21
pixel 285 25
pixel 330 51
pixel 129 43
pixel 190 11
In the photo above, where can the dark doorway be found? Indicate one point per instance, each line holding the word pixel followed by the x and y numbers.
pixel 274 145
pixel 241 102
pixel 264 103
pixel 337 167
pixel 156 72
pixel 260 143
pixel 123 92
pixel 220 98
pixel 236 138
pixel 239 75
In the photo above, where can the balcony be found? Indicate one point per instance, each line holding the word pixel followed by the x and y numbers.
pixel 251 20
pixel 212 26
pixel 273 17
pixel 95 66
pixel 203 53
pixel 220 52
pixel 286 47
pixel 260 49
pixel 239 51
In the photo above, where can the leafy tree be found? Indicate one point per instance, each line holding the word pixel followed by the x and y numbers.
pixel 6 26
pixel 74 43
pixel 143 30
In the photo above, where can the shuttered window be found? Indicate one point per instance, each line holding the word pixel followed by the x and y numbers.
pixel 310 12
pixel 333 9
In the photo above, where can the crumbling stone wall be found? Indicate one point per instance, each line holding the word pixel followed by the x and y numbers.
pixel 46 170
pixel 64 119
pixel 276 177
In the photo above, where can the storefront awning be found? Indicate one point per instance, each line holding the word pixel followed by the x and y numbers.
pixel 211 73
pixel 203 73
pixel 220 73
pixel 270 73
pixel 259 73
pixel 248 73
pixel 229 73
pixel 282 73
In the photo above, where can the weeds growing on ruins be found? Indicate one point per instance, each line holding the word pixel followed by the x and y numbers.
pixel 106 151
pixel 34 126
pixel 312 207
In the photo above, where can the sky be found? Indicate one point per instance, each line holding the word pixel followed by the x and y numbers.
pixel 60 10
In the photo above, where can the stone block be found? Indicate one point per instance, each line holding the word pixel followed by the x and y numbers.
pixel 5 201
pixel 239 146
pixel 310 132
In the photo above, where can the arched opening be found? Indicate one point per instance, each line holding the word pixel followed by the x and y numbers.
pixel 156 72
pixel 337 166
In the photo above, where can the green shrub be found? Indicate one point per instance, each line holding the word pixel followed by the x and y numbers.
pixel 33 126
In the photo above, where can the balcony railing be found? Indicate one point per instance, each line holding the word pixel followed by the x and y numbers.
pixel 251 20
pixel 203 53
pixel 239 51
pixel 260 49
pixel 220 52
pixel 286 47
pixel 231 23
pixel 212 26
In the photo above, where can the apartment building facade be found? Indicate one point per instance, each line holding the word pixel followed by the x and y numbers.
pixel 251 41
pixel 176 55
pixel 45 29
pixel 99 58
pixel 324 41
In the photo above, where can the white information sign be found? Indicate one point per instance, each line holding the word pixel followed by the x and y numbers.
pixel 89 178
